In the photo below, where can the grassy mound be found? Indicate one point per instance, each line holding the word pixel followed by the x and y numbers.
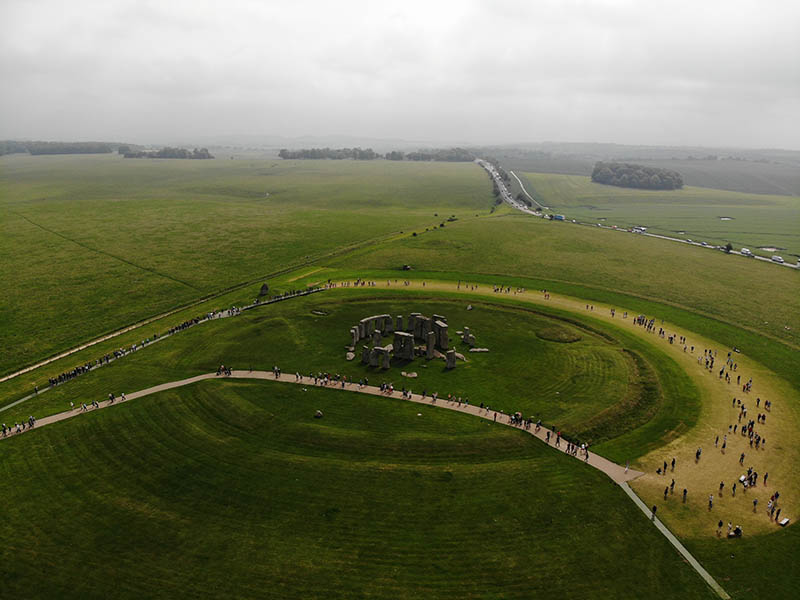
pixel 231 489
pixel 557 333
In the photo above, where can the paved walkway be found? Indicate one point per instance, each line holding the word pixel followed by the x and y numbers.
pixel 619 474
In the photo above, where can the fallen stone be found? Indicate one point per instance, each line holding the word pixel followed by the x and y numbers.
pixel 350 356
pixel 478 349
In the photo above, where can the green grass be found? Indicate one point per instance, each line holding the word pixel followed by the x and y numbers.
pixel 757 219
pixel 92 243
pixel 232 490
pixel 747 294
pixel 591 388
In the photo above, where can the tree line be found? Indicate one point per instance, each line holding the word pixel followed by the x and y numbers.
pixel 446 155
pixel 168 152
pixel 636 176
pixel 36 148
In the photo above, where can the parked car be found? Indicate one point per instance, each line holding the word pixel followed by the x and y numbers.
pixel 746 252
pixel 777 259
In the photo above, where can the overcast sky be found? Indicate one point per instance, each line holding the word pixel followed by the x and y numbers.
pixel 646 72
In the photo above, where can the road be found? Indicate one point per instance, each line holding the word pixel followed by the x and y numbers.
pixel 504 193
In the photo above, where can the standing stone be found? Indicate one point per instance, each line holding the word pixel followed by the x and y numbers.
pixel 427 325
pixel 365 355
pixel 374 355
pixel 264 290
pixel 465 334
pixel 403 345
pixel 440 318
pixel 431 345
pixel 354 335
pixel 412 322
pixel 362 329
pixel 441 335
pixel 399 325
pixel 376 337
pixel 388 326
pixel 387 359
pixel 451 359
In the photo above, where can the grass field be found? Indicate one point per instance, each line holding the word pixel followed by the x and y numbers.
pixel 589 386
pixel 524 376
pixel 94 243
pixel 755 220
pixel 501 247
pixel 98 242
pixel 251 497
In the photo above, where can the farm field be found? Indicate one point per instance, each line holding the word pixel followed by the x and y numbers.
pixel 750 220
pixel 254 498
pixel 99 242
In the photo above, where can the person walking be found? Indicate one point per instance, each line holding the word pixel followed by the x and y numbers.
pixel 655 508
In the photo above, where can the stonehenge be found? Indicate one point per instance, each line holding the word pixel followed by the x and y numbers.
pixel 432 333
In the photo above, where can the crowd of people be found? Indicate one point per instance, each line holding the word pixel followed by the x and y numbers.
pixel 746 428
pixel 19 427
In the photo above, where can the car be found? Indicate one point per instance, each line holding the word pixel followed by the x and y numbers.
pixel 777 259
pixel 704 244
pixel 746 252
pixel 689 241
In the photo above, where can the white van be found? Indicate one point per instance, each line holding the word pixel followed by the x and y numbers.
pixel 777 259
pixel 746 252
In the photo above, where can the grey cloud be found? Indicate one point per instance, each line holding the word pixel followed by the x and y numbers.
pixel 711 73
